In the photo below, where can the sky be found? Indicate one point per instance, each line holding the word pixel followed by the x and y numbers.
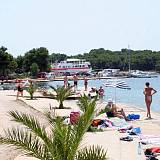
pixel 76 26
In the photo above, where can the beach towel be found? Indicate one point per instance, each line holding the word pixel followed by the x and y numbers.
pixel 135 131
pixel 117 122
pixel 154 149
pixel 133 116
pixel 151 141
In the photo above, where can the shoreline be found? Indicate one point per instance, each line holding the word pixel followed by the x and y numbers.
pixel 108 139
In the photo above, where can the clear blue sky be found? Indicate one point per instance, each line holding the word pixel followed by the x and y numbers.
pixel 77 26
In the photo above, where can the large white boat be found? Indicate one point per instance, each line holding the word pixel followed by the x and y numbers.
pixel 71 66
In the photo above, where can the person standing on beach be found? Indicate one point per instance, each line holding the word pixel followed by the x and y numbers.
pixel 65 81
pixel 19 89
pixel 101 94
pixel 85 83
pixel 148 92
pixel 75 80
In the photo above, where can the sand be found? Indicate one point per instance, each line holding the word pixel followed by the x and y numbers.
pixel 109 139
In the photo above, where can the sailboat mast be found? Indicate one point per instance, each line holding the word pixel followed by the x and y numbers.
pixel 129 60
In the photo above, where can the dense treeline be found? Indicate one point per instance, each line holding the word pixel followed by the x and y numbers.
pixel 39 60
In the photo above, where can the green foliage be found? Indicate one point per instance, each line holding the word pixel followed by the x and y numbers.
pixel 62 93
pixel 34 69
pixel 84 102
pixel 31 89
pixel 7 62
pixel 57 57
pixel 92 153
pixel 62 143
pixel 94 129
pixel 19 61
pixel 99 58
pixel 104 110
pixel 40 56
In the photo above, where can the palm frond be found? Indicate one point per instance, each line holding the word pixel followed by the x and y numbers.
pixel 31 123
pixel 27 142
pixel 62 93
pixel 63 141
pixel 83 103
pixel 81 127
pixel 91 153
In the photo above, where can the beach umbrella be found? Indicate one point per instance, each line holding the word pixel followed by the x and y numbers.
pixel 116 83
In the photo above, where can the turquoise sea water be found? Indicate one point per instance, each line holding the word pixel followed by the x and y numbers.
pixel 134 96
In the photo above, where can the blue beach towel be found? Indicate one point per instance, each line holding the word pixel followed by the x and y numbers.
pixel 135 131
pixel 133 116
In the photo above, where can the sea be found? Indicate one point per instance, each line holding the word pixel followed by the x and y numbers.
pixel 133 97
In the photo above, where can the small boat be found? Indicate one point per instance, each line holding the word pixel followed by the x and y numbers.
pixel 142 74
pixel 109 72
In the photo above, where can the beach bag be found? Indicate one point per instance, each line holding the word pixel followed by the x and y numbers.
pixel 74 117
pixel 96 122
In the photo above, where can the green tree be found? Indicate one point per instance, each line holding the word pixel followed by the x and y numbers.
pixel 39 56
pixel 19 60
pixel 157 67
pixel 57 57
pixel 7 62
pixel 34 69
pixel 62 93
pixel 12 65
pixel 62 143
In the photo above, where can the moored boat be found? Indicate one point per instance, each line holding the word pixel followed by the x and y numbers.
pixel 71 66
pixel 142 74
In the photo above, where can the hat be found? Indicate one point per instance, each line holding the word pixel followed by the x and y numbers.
pixel 110 100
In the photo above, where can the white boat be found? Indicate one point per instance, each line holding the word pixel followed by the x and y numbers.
pixel 71 66
pixel 141 74
pixel 109 72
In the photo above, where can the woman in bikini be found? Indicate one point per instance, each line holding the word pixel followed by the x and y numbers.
pixel 19 89
pixel 148 92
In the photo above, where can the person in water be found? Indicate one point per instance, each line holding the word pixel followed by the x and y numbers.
pixel 148 92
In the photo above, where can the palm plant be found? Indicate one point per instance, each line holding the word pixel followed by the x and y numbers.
pixel 62 143
pixel 84 101
pixel 31 89
pixel 62 93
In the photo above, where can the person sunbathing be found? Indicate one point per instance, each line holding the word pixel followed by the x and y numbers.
pixel 114 112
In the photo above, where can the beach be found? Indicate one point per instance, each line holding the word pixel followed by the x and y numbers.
pixel 109 139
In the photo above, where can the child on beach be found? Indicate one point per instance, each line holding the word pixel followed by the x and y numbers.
pixel 148 92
